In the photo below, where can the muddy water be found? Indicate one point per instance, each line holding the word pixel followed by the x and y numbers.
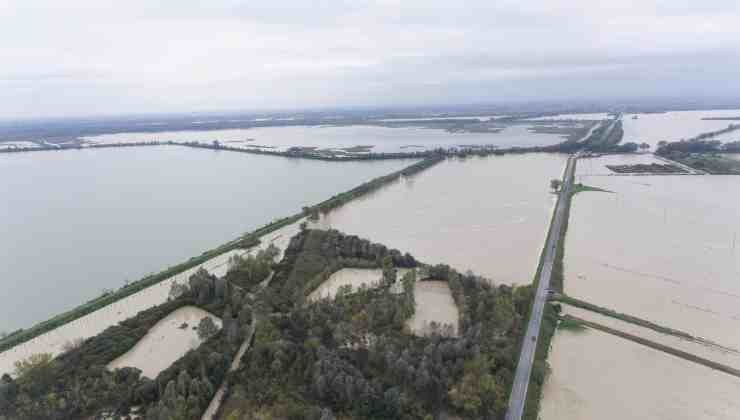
pixel 663 248
pixel 355 277
pixel 708 350
pixel 489 215
pixel 165 342
pixel 599 376
pixel 676 125
pixel 434 303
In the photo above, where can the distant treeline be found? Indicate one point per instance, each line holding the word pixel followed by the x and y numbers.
pixel 701 144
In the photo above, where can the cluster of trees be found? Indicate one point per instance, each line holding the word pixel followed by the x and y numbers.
pixel 313 255
pixel 355 357
pixel 700 144
pixel 247 272
pixel 688 146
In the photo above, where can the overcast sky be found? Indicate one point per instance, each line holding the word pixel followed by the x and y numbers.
pixel 76 57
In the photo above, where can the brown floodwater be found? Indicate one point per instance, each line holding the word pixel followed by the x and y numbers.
pixel 663 248
pixel 489 215
pixel 596 375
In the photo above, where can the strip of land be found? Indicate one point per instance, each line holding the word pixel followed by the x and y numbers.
pixel 657 346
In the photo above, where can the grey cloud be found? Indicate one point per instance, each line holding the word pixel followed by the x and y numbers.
pixel 79 57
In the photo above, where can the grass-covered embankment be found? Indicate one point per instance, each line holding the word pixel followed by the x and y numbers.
pixel 634 320
pixel 245 241
pixel 657 346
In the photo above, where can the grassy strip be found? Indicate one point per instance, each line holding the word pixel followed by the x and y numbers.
pixel 540 368
pixel 657 346
pixel 245 241
pixel 585 188
pixel 635 320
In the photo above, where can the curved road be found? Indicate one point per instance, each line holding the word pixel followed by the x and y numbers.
pixel 526 357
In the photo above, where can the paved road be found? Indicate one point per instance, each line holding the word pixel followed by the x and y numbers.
pixel 526 357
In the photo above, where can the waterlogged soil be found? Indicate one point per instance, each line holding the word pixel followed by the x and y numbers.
pixel 489 215
pixel 165 342
pixel 434 303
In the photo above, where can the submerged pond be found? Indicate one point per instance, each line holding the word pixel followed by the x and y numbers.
pixel 78 222
pixel 167 341
pixel 489 215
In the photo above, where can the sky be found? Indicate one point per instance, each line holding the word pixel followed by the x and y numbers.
pixel 79 57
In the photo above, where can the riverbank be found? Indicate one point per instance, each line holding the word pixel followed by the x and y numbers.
pixel 246 241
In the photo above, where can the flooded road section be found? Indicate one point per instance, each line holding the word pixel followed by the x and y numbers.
pixel 489 215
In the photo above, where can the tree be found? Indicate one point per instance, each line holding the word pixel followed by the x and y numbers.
pixel 72 344
pixel 177 290
pixel 555 184
pixel 35 366
pixel 644 146
pixel 206 328
pixel 389 271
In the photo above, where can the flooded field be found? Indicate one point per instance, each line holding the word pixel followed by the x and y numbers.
pixel 81 221
pixel 382 139
pixel 663 248
pixel 489 214
pixel 676 125
pixel 434 303
pixel 355 277
pixel 94 323
pixel 167 341
pixel 707 350
pixel 599 376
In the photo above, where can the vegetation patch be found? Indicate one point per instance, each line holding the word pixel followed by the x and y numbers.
pixel 353 357
pixel 77 384
pixel 652 168
pixel 586 188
